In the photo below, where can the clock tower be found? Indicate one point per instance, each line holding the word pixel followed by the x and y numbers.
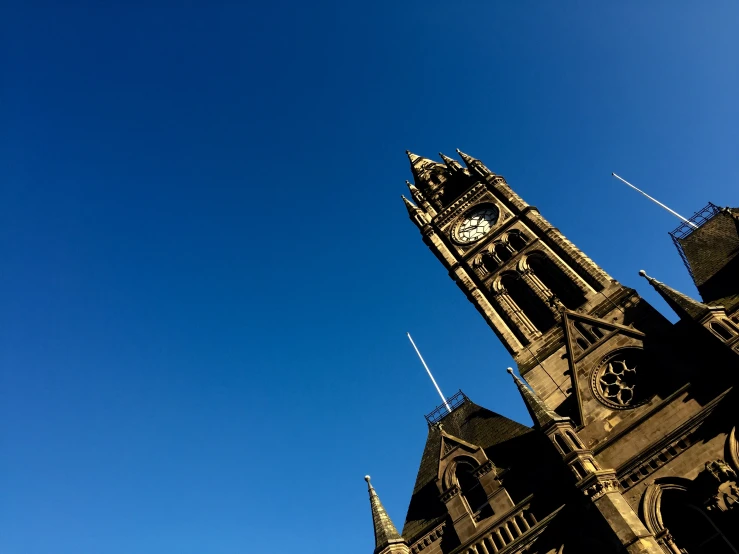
pixel 619 392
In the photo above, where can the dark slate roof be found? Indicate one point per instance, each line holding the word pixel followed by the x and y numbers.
pixel 730 303
pixel 471 423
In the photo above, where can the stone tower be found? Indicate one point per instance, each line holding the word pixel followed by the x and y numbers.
pixel 623 405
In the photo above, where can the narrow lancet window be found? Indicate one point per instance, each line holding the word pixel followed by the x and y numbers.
pixel 531 305
pixel 556 281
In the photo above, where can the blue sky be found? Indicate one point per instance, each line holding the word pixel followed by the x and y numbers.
pixel 208 273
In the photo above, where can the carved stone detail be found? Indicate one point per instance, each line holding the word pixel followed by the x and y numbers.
pixel 599 483
pixel 462 203
pixel 726 494
pixel 484 469
pixel 600 488
pixel 449 493
pixel 732 449
pixel 427 539
pixel 615 380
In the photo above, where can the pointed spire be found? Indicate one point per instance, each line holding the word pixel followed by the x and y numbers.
pixel 473 163
pixel 466 157
pixel 682 304
pixel 415 193
pixel 468 160
pixel 418 197
pixel 413 157
pixel 419 217
pixel 417 161
pixel 410 206
pixel 451 163
pixel 420 167
pixel 539 412
pixel 385 532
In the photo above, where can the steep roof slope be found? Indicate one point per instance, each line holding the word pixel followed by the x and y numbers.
pixel 471 423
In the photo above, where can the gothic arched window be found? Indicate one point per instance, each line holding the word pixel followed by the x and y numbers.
pixel 503 253
pixel 531 305
pixel 516 240
pixel 488 262
pixel 556 281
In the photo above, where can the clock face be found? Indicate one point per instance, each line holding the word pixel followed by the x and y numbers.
pixel 476 224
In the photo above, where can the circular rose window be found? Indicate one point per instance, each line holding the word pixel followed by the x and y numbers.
pixel 616 380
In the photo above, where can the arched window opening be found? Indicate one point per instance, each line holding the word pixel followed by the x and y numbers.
pixel 501 250
pixel 562 444
pixel 532 306
pixel 597 332
pixel 731 326
pixel 472 491
pixel 488 262
pixel 574 439
pixel 582 343
pixel 691 527
pixel 516 241
pixel 556 281
pixel 721 331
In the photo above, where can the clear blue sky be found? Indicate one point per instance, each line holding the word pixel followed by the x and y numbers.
pixel 207 271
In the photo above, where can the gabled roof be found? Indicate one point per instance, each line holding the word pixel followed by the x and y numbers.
pixel 473 424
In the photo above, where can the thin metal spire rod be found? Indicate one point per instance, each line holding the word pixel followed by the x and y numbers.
pixel 443 398
pixel 673 212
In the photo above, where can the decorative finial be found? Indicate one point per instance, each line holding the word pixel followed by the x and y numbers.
pixel 642 273
pixel 510 370
pixel 367 478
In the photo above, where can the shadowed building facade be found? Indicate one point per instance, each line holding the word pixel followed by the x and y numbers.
pixel 634 446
